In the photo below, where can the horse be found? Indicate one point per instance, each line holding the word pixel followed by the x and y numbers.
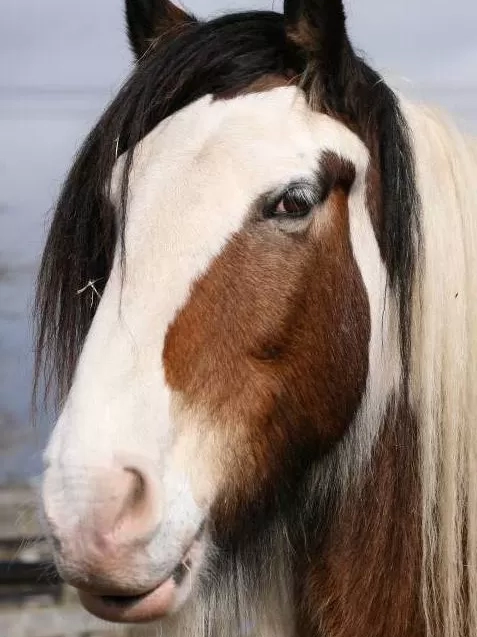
pixel 256 312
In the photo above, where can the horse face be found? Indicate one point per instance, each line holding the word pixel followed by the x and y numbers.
pixel 228 353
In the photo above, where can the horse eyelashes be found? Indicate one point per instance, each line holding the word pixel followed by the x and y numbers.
pixel 295 202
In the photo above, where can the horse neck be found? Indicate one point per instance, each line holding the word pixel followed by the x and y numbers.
pixel 364 578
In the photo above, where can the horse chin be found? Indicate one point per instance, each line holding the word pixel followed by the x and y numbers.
pixel 164 599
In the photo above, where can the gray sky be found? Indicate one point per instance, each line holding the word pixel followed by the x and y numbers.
pixel 51 42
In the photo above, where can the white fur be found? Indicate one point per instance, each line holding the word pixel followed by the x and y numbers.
pixel 384 372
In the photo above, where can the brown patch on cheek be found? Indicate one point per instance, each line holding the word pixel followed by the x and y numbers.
pixel 273 343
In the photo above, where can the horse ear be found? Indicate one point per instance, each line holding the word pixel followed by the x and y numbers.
pixel 318 28
pixel 149 19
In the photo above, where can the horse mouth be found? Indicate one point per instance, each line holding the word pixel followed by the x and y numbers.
pixel 154 604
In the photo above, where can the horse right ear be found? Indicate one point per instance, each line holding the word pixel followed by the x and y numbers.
pixel 318 29
pixel 147 20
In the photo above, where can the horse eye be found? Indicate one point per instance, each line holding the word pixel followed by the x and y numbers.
pixel 295 203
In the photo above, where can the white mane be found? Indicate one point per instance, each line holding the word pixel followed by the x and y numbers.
pixel 444 370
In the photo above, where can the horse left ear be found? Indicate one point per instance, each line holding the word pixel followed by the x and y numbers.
pixel 318 28
pixel 147 20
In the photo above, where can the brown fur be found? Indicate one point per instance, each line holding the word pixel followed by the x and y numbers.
pixel 365 579
pixel 273 342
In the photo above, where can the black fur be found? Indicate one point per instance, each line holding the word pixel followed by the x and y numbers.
pixel 323 33
pixel 147 19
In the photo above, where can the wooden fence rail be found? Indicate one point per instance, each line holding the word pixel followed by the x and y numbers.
pixel 13 572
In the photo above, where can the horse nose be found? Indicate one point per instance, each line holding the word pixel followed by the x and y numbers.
pixel 115 518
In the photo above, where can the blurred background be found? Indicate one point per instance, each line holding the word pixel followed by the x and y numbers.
pixel 60 64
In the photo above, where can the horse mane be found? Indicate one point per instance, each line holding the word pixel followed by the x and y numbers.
pixel 444 370
pixel 429 244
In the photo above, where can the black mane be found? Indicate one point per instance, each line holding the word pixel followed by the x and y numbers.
pixel 217 57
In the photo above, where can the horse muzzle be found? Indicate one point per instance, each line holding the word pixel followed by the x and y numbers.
pixel 117 546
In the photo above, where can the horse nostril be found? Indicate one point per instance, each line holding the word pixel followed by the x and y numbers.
pixel 131 491
pixel 138 514
pixel 127 505
pixel 138 492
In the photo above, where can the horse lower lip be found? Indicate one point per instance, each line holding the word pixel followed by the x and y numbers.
pixel 132 609
pixel 147 606
pixel 123 601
